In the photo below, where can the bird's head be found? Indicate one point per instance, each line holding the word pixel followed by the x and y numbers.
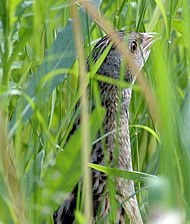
pixel 140 45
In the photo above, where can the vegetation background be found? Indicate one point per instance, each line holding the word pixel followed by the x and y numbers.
pixel 39 90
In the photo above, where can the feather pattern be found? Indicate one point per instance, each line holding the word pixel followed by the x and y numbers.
pixel 117 141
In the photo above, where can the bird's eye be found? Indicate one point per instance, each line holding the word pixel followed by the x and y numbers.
pixel 133 46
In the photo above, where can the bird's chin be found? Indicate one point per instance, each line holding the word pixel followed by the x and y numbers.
pixel 145 56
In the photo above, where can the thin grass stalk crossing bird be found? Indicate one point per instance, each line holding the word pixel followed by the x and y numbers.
pixel 139 44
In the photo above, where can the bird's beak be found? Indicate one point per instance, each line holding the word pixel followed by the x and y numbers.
pixel 149 39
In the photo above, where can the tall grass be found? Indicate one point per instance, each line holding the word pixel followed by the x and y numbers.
pixel 39 89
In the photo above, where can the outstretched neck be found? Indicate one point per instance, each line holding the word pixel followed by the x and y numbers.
pixel 116 101
pixel 118 145
pixel 115 98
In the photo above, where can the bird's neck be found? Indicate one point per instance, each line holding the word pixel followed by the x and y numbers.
pixel 116 101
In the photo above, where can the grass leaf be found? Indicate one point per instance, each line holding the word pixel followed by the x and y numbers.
pixel 132 175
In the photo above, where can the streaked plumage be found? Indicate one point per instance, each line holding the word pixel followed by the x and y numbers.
pixel 139 45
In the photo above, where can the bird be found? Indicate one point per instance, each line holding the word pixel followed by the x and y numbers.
pixel 139 45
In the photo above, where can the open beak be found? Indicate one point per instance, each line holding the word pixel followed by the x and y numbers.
pixel 148 39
